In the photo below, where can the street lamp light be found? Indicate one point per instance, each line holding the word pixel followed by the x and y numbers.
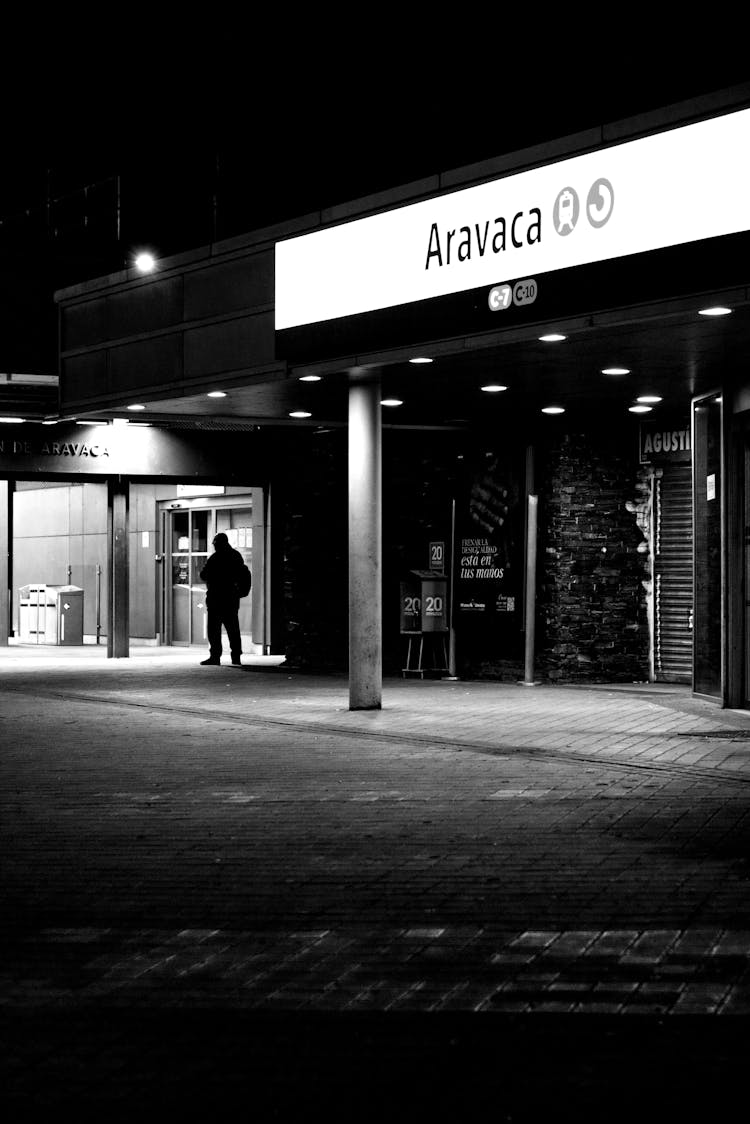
pixel 145 262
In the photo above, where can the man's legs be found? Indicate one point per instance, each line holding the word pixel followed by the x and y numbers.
pixel 232 625
pixel 223 616
pixel 213 628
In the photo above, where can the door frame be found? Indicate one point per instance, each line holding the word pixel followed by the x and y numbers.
pixel 256 500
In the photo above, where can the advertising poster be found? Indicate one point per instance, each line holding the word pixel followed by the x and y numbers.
pixel 489 532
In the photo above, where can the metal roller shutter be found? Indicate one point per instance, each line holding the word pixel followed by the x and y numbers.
pixel 673 572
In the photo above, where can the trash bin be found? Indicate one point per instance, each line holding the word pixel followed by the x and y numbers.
pixel 50 614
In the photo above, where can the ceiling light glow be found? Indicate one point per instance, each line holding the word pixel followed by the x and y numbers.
pixel 216 394
pixel 309 378
pixel 493 388
pixel 553 409
pixel 420 359
pixel 645 399
pixel 640 409
pixel 552 337
pixel 391 402
pixel 615 370
pixel 11 421
pixel 300 414
pixel 136 406
pixel 716 310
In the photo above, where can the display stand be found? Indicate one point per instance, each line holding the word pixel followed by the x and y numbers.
pixel 436 646
pixel 424 616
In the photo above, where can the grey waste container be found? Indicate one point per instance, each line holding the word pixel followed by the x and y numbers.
pixel 50 614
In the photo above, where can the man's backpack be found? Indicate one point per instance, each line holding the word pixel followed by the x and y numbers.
pixel 244 581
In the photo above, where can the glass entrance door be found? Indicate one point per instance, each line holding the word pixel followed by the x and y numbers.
pixel 187 533
pixel 187 540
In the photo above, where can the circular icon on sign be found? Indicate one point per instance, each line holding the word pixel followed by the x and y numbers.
pixel 600 202
pixel 566 211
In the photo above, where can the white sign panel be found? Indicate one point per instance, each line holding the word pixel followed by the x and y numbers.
pixel 665 190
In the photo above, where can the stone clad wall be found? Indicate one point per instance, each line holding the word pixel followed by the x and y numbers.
pixel 593 573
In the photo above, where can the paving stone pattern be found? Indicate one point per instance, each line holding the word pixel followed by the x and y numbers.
pixel 252 841
pixel 180 839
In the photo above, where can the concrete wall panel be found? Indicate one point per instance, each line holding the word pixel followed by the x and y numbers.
pixel 146 363
pixel 246 283
pixel 231 346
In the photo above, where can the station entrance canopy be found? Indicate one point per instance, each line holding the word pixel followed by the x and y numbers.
pixel 617 236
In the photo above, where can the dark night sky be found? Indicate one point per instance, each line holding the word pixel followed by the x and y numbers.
pixel 221 158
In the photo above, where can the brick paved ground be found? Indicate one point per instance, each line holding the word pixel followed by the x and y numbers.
pixel 223 885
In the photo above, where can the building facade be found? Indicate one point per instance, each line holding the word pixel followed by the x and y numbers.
pixel 503 379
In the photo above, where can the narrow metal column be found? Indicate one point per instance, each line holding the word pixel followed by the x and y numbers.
pixel 365 543
pixel 530 599
pixel 118 568
pixel 6 569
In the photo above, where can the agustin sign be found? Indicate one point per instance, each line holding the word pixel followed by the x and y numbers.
pixel 675 187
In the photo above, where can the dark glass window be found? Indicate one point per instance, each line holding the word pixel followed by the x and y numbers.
pixel 707 513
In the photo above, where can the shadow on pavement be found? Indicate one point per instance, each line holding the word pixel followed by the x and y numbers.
pixel 216 1065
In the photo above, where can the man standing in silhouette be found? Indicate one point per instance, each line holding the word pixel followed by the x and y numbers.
pixel 221 574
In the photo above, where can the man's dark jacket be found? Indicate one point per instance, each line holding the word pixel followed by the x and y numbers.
pixel 221 574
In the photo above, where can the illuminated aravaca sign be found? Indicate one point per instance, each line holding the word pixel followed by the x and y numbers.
pixel 668 189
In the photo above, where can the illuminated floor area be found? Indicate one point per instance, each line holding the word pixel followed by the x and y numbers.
pixel 221 883
pixel 388 968
pixel 90 650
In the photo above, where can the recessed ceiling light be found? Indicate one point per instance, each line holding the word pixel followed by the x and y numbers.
pixel 553 409
pixel 420 359
pixel 216 394
pixel 136 406
pixel 552 337
pixel 493 388
pixel 309 378
pixel 11 421
pixel 648 398
pixel 300 414
pixel 639 409
pixel 615 370
pixel 717 310
pixel 391 402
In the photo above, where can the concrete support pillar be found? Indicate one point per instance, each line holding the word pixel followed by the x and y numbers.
pixel 365 542
pixel 118 568
pixel 6 567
